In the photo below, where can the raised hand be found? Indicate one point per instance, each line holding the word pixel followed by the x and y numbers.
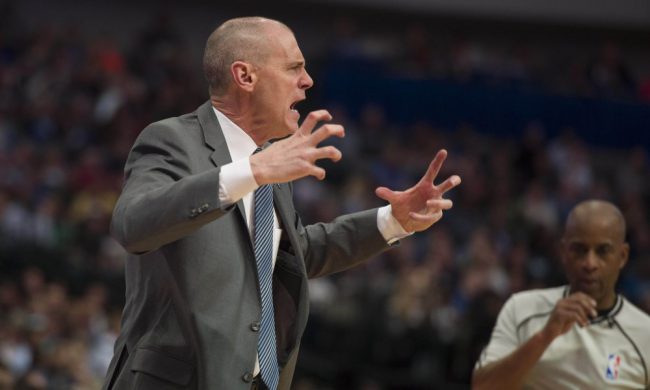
pixel 421 206
pixel 295 156
pixel 576 308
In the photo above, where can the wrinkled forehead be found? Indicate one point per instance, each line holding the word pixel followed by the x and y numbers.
pixel 282 44
pixel 594 230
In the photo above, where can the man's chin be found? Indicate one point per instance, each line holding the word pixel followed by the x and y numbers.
pixel 292 127
pixel 286 134
pixel 593 289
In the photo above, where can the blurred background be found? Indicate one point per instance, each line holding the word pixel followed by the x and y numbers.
pixel 539 107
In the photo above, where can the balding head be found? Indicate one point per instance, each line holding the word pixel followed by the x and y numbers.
pixel 241 39
pixel 597 213
pixel 594 250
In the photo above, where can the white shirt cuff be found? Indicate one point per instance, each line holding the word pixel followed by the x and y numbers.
pixel 388 226
pixel 236 180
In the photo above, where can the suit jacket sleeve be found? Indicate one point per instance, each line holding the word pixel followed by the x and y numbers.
pixel 162 200
pixel 344 243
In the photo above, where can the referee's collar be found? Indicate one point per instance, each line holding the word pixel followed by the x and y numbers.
pixel 606 315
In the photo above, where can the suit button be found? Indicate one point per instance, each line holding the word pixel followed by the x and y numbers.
pixel 255 326
pixel 247 377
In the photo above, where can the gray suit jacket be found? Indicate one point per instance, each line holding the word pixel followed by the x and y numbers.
pixel 192 311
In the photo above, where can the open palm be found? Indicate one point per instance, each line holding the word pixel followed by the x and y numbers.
pixel 420 206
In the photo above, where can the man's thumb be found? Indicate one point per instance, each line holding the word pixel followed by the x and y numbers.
pixel 385 194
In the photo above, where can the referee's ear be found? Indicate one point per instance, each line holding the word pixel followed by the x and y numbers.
pixel 625 253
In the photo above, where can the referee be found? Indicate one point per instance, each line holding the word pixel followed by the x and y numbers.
pixel 579 336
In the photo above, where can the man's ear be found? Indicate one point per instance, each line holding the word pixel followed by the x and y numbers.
pixel 625 253
pixel 243 75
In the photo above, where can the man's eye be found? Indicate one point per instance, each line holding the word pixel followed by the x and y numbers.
pixel 577 250
pixel 604 250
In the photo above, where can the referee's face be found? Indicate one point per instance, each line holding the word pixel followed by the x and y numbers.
pixel 593 253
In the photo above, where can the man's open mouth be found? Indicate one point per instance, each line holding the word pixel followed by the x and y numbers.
pixel 293 105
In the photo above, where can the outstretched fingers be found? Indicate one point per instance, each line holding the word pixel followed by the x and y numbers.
pixel 317 172
pixel 326 131
pixel 329 152
pixel 451 182
pixel 386 194
pixel 426 218
pixel 433 211
pixel 439 204
pixel 312 120
pixel 434 166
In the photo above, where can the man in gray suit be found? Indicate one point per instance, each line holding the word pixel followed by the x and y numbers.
pixel 198 286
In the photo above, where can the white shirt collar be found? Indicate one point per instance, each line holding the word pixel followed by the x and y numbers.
pixel 240 144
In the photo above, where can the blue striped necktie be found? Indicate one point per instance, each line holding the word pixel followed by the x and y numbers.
pixel 263 243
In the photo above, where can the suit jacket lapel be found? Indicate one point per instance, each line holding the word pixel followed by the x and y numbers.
pixel 279 200
pixel 214 140
pixel 284 206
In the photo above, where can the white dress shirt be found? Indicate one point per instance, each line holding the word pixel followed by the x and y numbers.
pixel 236 182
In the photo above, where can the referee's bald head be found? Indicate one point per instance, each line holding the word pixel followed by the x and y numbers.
pixel 594 250
pixel 596 213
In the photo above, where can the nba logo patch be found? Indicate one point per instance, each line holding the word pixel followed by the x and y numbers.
pixel 613 363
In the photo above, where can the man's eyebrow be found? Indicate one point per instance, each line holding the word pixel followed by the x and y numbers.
pixel 297 63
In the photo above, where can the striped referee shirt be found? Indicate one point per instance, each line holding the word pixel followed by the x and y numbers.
pixel 613 352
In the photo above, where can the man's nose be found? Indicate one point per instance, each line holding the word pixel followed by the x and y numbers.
pixel 591 261
pixel 306 81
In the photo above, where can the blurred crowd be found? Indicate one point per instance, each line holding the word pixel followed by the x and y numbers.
pixel 530 59
pixel 71 106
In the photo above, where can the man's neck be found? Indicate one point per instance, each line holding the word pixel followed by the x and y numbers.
pixel 237 116
pixel 607 303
